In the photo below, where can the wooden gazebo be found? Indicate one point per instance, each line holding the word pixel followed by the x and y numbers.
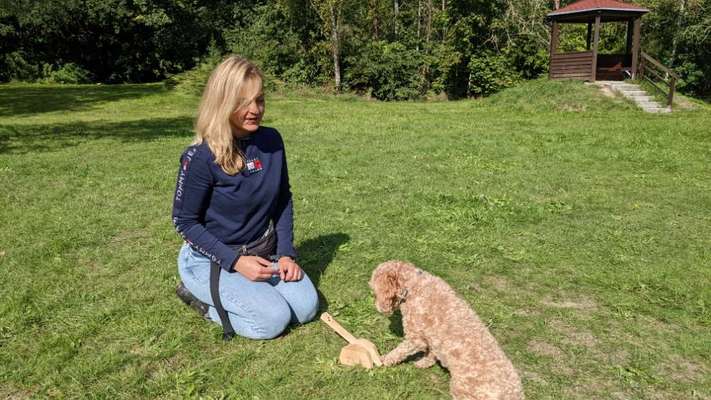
pixel 589 65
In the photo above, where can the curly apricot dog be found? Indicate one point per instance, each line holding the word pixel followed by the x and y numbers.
pixel 444 328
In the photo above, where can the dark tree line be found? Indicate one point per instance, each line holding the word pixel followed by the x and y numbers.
pixel 389 49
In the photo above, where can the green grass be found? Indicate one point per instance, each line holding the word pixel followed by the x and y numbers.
pixel 578 227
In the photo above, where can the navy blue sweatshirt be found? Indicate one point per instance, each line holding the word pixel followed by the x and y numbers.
pixel 212 209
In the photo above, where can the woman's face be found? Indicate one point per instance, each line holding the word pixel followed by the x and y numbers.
pixel 247 117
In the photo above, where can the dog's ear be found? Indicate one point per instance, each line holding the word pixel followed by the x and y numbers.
pixel 386 285
pixel 391 285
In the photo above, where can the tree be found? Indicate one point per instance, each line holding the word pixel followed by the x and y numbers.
pixel 331 14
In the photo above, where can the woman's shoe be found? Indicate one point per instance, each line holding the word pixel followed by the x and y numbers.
pixel 188 298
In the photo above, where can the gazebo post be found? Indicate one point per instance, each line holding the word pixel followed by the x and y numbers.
pixel 554 43
pixel 555 37
pixel 589 38
pixel 635 45
pixel 593 75
pixel 630 27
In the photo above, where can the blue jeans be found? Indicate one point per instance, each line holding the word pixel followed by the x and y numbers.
pixel 257 310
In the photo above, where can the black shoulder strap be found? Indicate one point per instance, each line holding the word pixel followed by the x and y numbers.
pixel 227 331
pixel 263 247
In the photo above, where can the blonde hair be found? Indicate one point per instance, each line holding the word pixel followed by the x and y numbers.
pixel 230 87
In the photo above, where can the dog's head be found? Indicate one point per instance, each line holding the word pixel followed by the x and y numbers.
pixel 388 283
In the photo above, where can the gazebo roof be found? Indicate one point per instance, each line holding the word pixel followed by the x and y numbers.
pixel 609 10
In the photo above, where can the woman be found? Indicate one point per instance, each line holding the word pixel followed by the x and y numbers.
pixel 233 208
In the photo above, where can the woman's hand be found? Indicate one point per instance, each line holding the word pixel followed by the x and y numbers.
pixel 254 268
pixel 289 270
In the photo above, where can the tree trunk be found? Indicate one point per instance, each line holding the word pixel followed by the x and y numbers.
pixel 336 48
pixel 375 27
pixel 397 12
pixel 444 28
pixel 428 24
pixel 419 24
pixel 679 26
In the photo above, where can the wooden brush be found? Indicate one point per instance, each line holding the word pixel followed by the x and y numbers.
pixel 358 351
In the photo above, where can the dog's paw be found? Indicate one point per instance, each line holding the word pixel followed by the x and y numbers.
pixel 425 362
pixel 388 361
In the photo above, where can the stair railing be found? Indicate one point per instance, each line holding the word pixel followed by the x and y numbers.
pixel 649 66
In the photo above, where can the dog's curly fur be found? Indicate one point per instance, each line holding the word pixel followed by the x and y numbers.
pixel 442 326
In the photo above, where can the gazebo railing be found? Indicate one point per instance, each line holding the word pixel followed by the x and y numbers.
pixel 648 66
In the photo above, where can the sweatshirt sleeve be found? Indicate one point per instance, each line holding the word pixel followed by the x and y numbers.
pixel 192 195
pixel 284 218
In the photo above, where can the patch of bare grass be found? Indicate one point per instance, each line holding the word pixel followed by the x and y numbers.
pixel 582 303
pixel 544 349
pixel 680 369
pixel 575 336
pixel 499 283
pixel 10 393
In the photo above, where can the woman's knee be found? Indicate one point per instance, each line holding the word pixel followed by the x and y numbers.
pixel 306 308
pixel 270 322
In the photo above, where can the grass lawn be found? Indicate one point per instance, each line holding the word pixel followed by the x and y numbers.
pixel 578 227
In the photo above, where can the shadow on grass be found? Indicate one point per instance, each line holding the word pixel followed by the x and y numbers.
pixel 396 323
pixel 34 99
pixel 316 254
pixel 22 139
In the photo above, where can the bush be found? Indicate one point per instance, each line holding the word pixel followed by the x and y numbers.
pixel 268 42
pixel 67 73
pixel 14 66
pixel 528 57
pixel 489 73
pixel 302 73
pixel 194 80
pixel 693 79
pixel 389 71
pixel 440 63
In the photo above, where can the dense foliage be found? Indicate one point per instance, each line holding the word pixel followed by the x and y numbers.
pixel 389 49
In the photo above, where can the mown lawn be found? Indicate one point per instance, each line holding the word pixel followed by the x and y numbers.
pixel 578 227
